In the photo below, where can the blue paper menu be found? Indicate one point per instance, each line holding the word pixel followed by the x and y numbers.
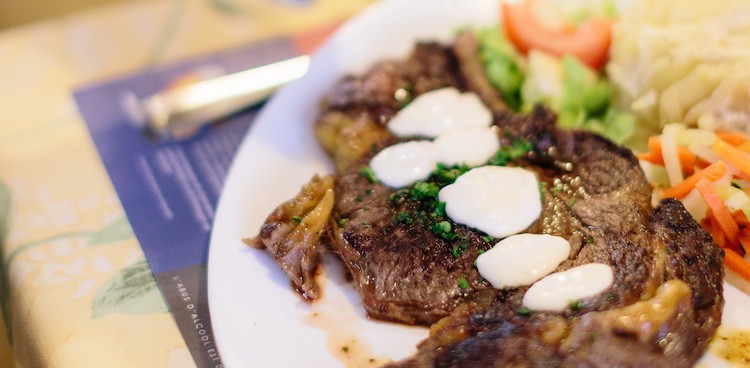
pixel 169 189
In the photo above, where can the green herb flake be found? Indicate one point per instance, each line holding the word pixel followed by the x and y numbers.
pixel 456 252
pixel 571 203
pixel 488 239
pixel 368 192
pixel 463 283
pixel 518 148
pixel 358 198
pixel 440 210
pixel 297 219
pixel 576 305
pixel 367 173
pixel 398 195
pixel 443 229
pixel 591 337
pixel 542 185
pixel 403 217
pixel 590 239
pixel 424 190
pixel 523 311
pixel 342 222
pixel 447 175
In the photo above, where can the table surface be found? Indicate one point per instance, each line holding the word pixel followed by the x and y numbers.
pixel 58 302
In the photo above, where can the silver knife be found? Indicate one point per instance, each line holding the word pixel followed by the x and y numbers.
pixel 180 111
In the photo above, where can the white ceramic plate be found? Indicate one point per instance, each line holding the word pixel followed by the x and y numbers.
pixel 258 320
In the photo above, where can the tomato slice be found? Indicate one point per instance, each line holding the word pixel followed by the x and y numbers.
pixel 588 42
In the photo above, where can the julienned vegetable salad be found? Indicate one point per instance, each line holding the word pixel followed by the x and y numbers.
pixel 709 172
pixel 561 70
pixel 563 66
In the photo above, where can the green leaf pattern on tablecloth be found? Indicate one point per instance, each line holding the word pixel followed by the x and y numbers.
pixel 5 211
pixel 115 231
pixel 5 214
pixel 131 291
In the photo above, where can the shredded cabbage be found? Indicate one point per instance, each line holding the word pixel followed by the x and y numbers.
pixel 684 61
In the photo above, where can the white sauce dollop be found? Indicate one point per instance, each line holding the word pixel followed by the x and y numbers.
pixel 556 291
pixel 471 146
pixel 436 111
pixel 522 259
pixel 405 163
pixel 498 200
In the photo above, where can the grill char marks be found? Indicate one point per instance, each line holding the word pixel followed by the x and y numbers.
pixel 353 117
pixel 407 273
pixel 670 327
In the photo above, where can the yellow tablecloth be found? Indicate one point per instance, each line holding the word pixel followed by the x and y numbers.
pixel 67 246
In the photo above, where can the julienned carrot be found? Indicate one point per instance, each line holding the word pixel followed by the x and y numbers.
pixel 651 157
pixel 655 155
pixel 733 138
pixel 718 209
pixel 741 219
pixel 737 264
pixel 712 228
pixel 744 240
pixel 711 173
pixel 732 155
pixel 745 147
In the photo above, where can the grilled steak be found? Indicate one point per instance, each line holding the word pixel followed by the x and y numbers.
pixel 670 327
pixel 594 195
pixel 409 269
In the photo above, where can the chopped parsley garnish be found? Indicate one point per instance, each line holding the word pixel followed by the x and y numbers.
pixel 463 283
pixel 403 217
pixel 571 203
pixel 424 190
pixel 440 209
pixel 367 173
pixel 297 219
pixel 398 196
pixel 342 222
pixel 518 148
pixel 576 305
pixel 488 238
pixel 542 186
pixel 590 239
pixel 447 175
pixel 591 337
pixel 443 229
pixel 524 311
pixel 456 251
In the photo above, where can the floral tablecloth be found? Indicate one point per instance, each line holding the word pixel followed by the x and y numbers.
pixel 76 290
